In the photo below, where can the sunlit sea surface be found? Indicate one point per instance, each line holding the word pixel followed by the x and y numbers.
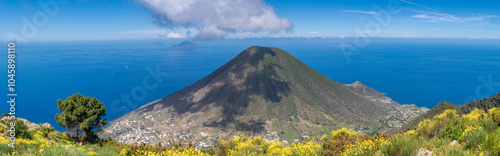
pixel 410 71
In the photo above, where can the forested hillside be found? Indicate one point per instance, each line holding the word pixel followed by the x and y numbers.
pixel 484 104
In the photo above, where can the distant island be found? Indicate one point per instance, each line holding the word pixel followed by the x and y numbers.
pixel 185 45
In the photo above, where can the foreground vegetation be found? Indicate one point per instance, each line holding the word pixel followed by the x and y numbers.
pixel 484 104
pixel 448 133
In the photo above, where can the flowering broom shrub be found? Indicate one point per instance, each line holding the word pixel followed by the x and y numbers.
pixel 243 145
pixel 338 140
pixel 476 133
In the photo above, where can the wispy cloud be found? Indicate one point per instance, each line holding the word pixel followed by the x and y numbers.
pixel 149 31
pixel 313 32
pixel 436 17
pixel 360 12
pixel 176 33
pixel 415 4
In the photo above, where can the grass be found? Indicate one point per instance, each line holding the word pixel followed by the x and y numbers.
pixel 403 146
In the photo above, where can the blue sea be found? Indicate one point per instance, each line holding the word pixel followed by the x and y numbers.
pixel 410 71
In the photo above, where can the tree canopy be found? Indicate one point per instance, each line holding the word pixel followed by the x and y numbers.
pixel 81 113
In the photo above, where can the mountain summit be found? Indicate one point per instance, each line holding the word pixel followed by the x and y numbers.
pixel 262 91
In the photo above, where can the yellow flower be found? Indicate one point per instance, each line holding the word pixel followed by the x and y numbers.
pixel 425 126
pixel 475 115
pixel 1 128
pixel 4 140
pixel 172 152
pixel 468 130
pixel 344 132
pixel 123 152
pixel 411 133
pixel 365 147
pixel 494 113
pixel 446 114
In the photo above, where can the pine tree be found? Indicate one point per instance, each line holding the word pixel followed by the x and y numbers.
pixel 82 113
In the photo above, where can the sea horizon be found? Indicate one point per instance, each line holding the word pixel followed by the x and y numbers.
pixel 423 72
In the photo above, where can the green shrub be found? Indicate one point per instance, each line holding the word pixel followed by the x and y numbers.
pixel 495 115
pixel 401 145
pixel 63 151
pixel 82 138
pixel 436 144
pixel 4 148
pixel 58 136
pixel 21 130
pixel 441 146
pixel 4 115
pixel 338 140
pixel 1 128
pixel 454 151
pixel 452 129
pixel 474 139
pixel 126 152
pixel 495 150
pixel 445 125
pixel 105 151
pixel 68 135
pixel 493 142
pixel 24 149
pixel 489 125
pixel 209 151
pixel 46 130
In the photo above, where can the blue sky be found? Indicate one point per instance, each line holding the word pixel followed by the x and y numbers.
pixel 94 20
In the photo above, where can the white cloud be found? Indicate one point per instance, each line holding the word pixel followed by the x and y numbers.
pixel 360 12
pixel 314 32
pixel 217 18
pixel 173 35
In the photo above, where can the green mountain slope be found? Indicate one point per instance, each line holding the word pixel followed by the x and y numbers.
pixel 485 104
pixel 438 109
pixel 262 91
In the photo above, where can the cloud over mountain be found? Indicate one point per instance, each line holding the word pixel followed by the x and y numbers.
pixel 217 18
